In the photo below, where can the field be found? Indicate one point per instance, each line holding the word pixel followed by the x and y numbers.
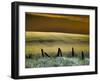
pixel 73 47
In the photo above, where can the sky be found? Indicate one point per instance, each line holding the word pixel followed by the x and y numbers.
pixel 65 23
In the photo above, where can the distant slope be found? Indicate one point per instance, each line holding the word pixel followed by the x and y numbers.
pixel 56 37
pixel 51 41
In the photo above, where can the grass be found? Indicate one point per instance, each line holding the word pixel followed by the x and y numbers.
pixel 55 62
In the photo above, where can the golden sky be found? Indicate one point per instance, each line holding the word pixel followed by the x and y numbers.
pixel 45 22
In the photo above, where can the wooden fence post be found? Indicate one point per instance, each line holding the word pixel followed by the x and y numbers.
pixel 82 55
pixel 59 52
pixel 44 53
pixel 73 53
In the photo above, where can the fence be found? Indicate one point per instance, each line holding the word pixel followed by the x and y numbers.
pixel 60 54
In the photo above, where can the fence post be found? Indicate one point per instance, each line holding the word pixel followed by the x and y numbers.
pixel 44 53
pixel 59 52
pixel 73 53
pixel 82 55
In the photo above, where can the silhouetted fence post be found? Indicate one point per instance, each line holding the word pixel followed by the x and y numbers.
pixel 82 55
pixel 59 52
pixel 44 53
pixel 73 53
